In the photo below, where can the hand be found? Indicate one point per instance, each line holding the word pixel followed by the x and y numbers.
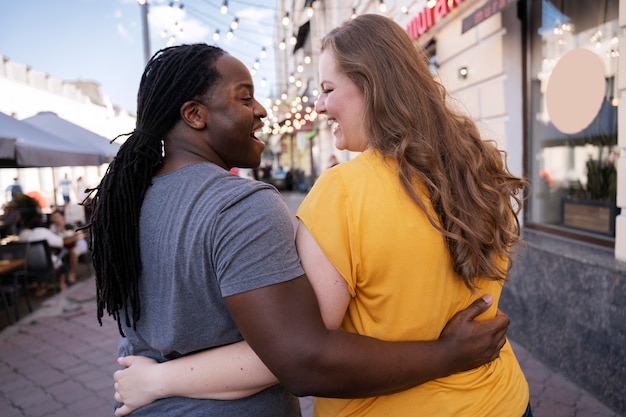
pixel 132 385
pixel 474 343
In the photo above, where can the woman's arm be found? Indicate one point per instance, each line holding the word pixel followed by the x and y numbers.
pixel 229 372
pixel 224 373
pixel 330 288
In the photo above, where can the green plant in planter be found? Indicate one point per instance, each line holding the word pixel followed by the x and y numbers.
pixel 601 180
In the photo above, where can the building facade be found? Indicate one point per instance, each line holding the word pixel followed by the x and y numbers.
pixel 545 79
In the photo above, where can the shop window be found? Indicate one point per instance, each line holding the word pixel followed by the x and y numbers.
pixel 573 100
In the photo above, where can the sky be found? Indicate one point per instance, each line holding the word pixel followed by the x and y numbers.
pixel 102 40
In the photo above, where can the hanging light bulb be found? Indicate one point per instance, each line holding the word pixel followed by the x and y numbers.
pixel 431 3
pixel 216 35
pixel 382 6
pixel 293 40
pixel 230 34
pixel 263 82
pixel 235 24
pixel 286 19
pixel 282 45
pixel 353 13
pixel 256 64
pixel 404 10
pixel 309 11
pixel 224 8
pixel 307 59
pixel 263 52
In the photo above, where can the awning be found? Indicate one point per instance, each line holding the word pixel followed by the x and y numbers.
pixel 53 124
pixel 23 146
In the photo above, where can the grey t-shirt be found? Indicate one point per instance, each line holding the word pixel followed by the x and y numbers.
pixel 206 234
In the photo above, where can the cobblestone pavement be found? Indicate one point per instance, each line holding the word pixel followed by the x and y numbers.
pixel 58 361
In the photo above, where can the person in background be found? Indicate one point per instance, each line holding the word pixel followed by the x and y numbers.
pixel 75 242
pixel 332 161
pixel 14 189
pixel 11 219
pixel 190 257
pixel 34 230
pixel 65 185
pixel 81 189
pixel 395 241
pixel 41 200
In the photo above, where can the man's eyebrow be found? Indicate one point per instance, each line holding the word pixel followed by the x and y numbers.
pixel 247 86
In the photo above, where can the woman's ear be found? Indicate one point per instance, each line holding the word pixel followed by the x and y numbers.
pixel 194 114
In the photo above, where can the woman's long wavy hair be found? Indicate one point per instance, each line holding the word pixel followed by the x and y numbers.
pixel 173 76
pixel 475 197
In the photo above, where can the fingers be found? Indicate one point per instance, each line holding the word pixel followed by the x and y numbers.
pixel 125 361
pixel 502 321
pixel 478 307
pixel 122 411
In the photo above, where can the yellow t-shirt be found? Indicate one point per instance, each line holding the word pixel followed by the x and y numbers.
pixel 403 288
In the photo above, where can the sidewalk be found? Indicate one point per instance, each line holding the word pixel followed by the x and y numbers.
pixel 58 361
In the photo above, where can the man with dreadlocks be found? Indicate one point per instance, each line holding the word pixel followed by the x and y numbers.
pixel 189 257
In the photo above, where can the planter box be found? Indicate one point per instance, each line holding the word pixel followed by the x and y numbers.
pixel 589 215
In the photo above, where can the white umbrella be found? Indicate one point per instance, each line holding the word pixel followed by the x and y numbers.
pixel 51 123
pixel 23 145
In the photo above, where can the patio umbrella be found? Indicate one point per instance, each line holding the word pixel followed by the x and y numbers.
pixel 51 123
pixel 23 145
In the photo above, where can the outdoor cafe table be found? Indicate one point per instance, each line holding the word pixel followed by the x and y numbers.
pixel 9 265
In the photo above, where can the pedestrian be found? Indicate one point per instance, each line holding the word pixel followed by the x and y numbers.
pixel 14 189
pixel 65 186
pixel 189 257
pixel 81 190
pixel 75 242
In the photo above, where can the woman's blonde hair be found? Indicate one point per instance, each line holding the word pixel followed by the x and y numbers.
pixel 472 192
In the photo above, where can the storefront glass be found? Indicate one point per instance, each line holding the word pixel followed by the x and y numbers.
pixel 573 50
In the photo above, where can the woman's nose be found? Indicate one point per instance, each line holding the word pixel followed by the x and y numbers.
pixel 320 106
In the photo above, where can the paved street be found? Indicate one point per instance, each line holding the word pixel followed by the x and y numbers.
pixel 59 362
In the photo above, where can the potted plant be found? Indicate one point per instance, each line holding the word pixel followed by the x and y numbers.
pixel 592 207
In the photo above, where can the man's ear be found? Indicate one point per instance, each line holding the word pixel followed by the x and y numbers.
pixel 193 114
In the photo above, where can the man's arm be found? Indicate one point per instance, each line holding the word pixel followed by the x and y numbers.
pixel 235 371
pixel 283 325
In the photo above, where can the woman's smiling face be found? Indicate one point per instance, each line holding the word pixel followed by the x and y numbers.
pixel 343 104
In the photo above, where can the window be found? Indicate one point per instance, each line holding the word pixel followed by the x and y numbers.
pixel 573 99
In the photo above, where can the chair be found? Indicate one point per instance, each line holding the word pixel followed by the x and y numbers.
pixel 4 304
pixel 18 284
pixel 39 265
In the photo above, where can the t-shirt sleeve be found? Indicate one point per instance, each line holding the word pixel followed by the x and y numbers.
pixel 327 213
pixel 254 243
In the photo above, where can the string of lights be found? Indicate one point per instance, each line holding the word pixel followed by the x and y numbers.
pixel 246 28
pixel 243 28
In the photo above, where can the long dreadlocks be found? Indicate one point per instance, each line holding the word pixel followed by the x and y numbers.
pixel 173 76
